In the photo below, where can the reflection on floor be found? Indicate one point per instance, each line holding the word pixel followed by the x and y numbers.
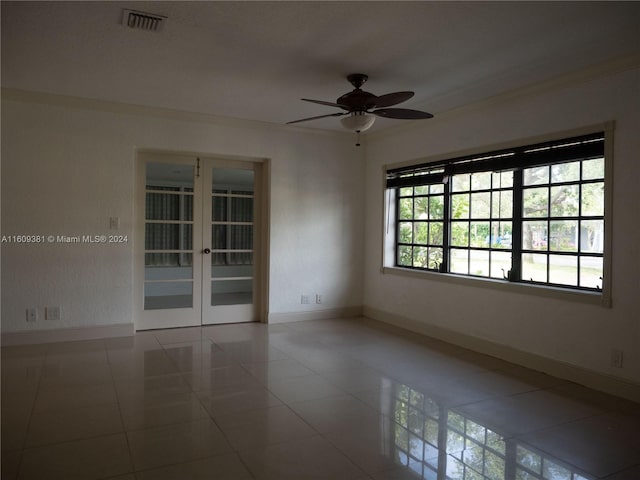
pixel 334 399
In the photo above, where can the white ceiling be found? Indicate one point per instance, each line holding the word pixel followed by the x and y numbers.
pixel 255 60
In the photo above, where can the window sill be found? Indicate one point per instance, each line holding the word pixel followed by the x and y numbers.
pixel 581 296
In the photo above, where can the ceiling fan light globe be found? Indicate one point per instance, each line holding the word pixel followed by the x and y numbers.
pixel 358 121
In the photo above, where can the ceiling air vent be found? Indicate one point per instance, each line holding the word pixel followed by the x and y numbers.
pixel 143 20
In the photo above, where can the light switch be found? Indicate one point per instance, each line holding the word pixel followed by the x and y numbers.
pixel 114 223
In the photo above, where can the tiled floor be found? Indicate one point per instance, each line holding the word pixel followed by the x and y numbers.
pixel 339 399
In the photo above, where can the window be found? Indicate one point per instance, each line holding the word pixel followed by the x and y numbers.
pixel 533 214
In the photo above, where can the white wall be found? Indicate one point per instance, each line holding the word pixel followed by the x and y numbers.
pixel 69 165
pixel 565 331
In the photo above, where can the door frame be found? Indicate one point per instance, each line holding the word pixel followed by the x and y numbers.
pixel 262 196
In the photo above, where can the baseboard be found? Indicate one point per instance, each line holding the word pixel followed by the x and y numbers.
pixel 598 381
pixel 287 317
pixel 67 334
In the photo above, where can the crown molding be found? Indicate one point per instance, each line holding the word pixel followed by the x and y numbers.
pixel 68 101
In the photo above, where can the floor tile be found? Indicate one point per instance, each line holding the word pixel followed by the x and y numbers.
pixel 183 409
pixel 10 464
pixel 372 448
pixel 57 426
pixel 178 335
pixel 330 362
pixel 602 444
pixel 202 355
pixel 527 412
pixel 220 467
pixel 17 408
pixel 268 426
pixel 75 397
pixel 418 472
pixel 140 341
pixel 100 457
pixel 333 414
pixel 509 382
pixel 70 373
pixel 221 378
pixel 155 447
pixel 75 347
pixel 152 391
pixel 251 351
pixel 267 372
pixel 148 363
pixel 237 400
pixel 357 379
pixel 632 473
pixel 19 375
pixel 312 458
pixel 298 389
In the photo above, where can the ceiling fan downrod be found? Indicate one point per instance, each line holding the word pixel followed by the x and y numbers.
pixel 357 79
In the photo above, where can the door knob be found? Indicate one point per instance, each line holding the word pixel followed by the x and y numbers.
pixel 206 251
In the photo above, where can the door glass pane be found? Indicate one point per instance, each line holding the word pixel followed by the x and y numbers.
pixel 161 295
pixel 168 236
pixel 232 292
pixel 219 206
pixel 168 226
pixel 168 266
pixel 242 208
pixel 232 236
pixel 168 206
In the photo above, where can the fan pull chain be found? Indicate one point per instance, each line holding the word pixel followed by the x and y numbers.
pixel 358 138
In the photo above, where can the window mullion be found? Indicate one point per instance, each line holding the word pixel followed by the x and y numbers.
pixel 516 226
pixel 446 227
pixel 396 233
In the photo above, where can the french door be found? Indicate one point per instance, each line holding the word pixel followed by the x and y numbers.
pixel 198 241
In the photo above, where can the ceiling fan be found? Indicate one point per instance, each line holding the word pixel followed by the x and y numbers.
pixel 361 108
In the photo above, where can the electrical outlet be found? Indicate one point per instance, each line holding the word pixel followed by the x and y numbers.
pixel 114 223
pixel 318 298
pixel 304 299
pixel 32 314
pixel 616 358
pixel 52 313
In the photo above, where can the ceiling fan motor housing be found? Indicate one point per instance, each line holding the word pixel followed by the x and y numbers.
pixel 357 100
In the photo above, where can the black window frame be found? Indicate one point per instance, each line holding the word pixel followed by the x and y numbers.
pixel 516 160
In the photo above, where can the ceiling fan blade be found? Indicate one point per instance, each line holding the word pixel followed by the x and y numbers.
pixel 401 113
pixel 392 99
pixel 339 114
pixel 322 102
